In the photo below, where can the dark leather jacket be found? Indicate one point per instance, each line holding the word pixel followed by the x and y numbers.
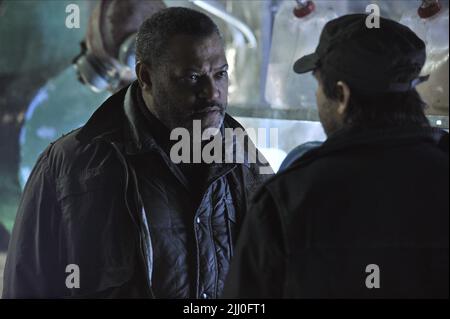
pixel 81 206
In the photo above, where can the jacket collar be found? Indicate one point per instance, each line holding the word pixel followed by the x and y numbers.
pixel 351 138
pixel 107 120
pixel 138 138
pixel 394 135
pixel 118 119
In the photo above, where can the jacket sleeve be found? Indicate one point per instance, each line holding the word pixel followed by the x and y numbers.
pixel 258 266
pixel 31 269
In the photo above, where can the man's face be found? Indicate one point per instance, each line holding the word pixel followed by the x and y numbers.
pixel 328 115
pixel 192 84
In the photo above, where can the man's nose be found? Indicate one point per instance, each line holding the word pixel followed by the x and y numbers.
pixel 209 90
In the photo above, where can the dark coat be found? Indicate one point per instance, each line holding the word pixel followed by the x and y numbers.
pixel 362 198
pixel 82 206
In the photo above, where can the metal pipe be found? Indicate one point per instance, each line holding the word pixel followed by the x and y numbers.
pixel 222 14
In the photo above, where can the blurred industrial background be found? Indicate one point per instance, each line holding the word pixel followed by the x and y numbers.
pixel 41 96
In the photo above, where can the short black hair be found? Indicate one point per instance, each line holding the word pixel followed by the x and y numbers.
pixel 376 110
pixel 155 33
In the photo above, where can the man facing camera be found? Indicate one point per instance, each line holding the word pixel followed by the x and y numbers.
pixel 108 213
pixel 366 214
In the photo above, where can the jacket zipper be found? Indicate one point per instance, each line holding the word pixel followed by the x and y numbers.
pixel 197 292
pixel 141 239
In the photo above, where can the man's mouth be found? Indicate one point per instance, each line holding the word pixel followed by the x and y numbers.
pixel 209 109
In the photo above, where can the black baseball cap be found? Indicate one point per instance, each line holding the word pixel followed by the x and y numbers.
pixel 384 59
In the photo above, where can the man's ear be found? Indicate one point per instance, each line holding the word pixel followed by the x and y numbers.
pixel 143 76
pixel 344 97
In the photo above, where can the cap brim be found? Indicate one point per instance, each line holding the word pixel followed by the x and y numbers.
pixel 306 63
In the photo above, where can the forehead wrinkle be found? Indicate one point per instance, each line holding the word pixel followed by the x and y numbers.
pixel 199 48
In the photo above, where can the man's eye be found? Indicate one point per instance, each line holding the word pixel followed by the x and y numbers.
pixel 193 77
pixel 222 74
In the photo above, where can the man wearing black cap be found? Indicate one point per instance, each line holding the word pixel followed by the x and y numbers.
pixel 365 215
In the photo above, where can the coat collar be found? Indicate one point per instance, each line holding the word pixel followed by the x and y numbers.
pixel 107 120
pixel 350 138
pixel 394 135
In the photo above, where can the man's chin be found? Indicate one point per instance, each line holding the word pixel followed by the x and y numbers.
pixel 210 121
pixel 212 124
